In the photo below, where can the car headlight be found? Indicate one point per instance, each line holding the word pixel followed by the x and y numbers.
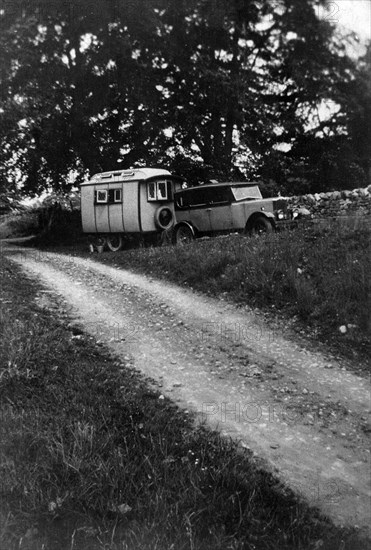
pixel 302 212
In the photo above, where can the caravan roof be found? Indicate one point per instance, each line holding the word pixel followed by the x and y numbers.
pixel 127 175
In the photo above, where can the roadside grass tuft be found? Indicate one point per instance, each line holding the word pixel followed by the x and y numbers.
pixel 91 458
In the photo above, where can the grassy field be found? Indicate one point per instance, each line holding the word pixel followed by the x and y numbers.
pixel 319 276
pixel 92 458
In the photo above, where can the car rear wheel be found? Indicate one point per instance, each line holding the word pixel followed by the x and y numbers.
pixel 260 225
pixel 114 242
pixel 183 234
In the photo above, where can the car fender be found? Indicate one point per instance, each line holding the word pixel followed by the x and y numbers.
pixel 257 213
pixel 187 224
pixel 180 224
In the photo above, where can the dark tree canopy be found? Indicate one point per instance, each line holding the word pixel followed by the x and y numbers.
pixel 208 88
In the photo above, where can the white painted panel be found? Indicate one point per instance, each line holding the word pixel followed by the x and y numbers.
pixel 87 209
pixel 148 210
pixel 130 206
pixel 101 213
pixel 115 213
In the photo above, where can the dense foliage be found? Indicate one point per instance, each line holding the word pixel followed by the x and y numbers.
pixel 208 88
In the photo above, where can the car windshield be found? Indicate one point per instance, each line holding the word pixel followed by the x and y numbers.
pixel 247 192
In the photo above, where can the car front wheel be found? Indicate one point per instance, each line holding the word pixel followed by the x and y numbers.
pixel 183 234
pixel 260 225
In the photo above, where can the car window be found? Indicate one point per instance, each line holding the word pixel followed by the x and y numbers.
pixel 220 195
pixel 192 197
pixel 200 196
pixel 241 193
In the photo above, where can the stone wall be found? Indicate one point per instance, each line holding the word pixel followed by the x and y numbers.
pixel 355 203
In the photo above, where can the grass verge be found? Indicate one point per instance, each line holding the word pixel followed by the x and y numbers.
pixel 318 276
pixel 91 458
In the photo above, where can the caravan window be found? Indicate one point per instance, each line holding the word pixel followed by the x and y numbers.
pixel 101 196
pixel 158 191
pixel 105 196
pixel 151 191
pixel 117 196
pixel 161 191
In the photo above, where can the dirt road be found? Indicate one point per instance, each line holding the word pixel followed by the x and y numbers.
pixel 306 415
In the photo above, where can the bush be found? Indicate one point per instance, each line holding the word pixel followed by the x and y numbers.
pixel 58 225
pixel 19 224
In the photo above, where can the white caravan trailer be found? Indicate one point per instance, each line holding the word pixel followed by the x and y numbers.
pixel 136 202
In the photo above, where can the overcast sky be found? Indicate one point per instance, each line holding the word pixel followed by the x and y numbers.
pixel 351 14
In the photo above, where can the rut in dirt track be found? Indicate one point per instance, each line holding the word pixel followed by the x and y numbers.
pixel 305 414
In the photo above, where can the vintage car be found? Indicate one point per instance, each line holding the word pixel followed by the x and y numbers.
pixel 121 203
pixel 227 207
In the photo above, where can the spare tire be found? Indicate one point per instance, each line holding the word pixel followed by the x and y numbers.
pixel 164 218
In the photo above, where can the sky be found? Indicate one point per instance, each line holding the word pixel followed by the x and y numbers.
pixel 354 15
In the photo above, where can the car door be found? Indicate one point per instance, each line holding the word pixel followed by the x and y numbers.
pixel 198 209
pixel 219 209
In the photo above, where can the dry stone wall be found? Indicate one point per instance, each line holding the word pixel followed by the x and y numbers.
pixel 355 203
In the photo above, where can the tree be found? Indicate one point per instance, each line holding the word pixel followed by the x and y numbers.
pixel 66 77
pixel 335 153
pixel 357 107
pixel 244 77
pixel 207 87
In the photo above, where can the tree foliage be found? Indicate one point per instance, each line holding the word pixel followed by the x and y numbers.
pixel 208 88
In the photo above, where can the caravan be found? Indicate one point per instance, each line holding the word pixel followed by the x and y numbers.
pixel 137 202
